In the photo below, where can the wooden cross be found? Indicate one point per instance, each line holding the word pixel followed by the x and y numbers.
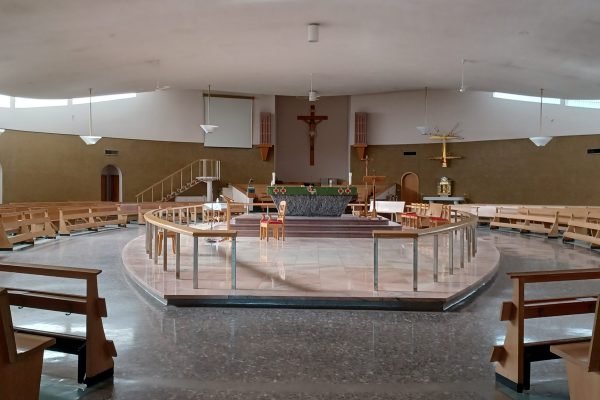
pixel 312 120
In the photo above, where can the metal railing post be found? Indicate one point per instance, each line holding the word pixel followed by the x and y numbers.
pixel 451 252
pixel 462 248
pixel 233 263
pixel 178 256
pixel 195 264
pixel 155 234
pixel 375 264
pixel 474 240
pixel 165 252
pixel 435 257
pixel 415 263
pixel 469 244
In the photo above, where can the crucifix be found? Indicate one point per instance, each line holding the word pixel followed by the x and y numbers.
pixel 312 120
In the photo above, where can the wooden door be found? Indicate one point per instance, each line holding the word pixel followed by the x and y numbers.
pixel 409 188
pixel 114 188
pixel 103 187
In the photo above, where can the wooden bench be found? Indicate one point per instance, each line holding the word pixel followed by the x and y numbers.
pixel 75 219
pixel 585 229
pixel 583 363
pixel 24 227
pixel 95 353
pixel 515 356
pixel 527 220
pixel 21 357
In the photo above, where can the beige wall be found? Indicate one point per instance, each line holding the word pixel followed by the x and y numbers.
pixel 331 143
pixel 502 171
pixel 51 167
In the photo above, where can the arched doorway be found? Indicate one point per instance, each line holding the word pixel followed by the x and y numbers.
pixel 111 184
pixel 409 188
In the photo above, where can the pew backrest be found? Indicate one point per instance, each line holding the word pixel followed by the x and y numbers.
pixel 8 347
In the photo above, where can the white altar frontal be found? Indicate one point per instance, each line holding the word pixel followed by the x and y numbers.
pixel 444 199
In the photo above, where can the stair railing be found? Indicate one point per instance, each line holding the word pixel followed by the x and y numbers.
pixel 189 175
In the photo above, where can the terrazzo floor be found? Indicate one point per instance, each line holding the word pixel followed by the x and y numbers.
pixel 246 353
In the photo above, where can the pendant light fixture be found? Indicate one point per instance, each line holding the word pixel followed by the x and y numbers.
pixel 424 129
pixel 90 139
pixel 208 128
pixel 462 88
pixel 540 140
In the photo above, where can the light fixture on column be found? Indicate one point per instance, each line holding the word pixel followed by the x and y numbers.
pixel 425 129
pixel 540 140
pixel 313 33
pixel 462 88
pixel 208 128
pixel 90 139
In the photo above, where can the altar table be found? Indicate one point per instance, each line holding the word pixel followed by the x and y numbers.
pixel 313 201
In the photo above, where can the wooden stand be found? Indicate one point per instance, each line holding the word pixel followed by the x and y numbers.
pixel 372 180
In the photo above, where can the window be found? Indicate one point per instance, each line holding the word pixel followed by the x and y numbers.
pixel 4 101
pixel 583 103
pixel 531 99
pixel 23 102
pixel 98 99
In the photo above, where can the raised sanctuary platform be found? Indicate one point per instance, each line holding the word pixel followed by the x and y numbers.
pixel 311 272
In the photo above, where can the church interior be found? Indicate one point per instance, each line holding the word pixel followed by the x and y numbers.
pixel 299 199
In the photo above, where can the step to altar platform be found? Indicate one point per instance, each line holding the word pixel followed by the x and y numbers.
pixel 346 226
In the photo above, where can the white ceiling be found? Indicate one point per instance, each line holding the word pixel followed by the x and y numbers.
pixel 60 48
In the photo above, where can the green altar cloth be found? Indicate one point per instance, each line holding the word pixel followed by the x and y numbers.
pixel 313 201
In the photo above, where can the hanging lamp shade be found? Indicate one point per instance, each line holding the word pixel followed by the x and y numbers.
pixel 541 140
pixel 208 128
pixel 90 139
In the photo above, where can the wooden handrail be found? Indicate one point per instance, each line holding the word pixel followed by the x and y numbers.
pixel 556 276
pixel 186 230
pixel 50 270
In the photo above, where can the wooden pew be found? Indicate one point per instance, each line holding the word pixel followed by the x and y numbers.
pixel 515 356
pixel 21 357
pixel 24 227
pixel 527 220
pixel 583 363
pixel 95 353
pixel 74 219
pixel 586 229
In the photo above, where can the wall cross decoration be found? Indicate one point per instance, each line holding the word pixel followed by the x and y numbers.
pixel 312 120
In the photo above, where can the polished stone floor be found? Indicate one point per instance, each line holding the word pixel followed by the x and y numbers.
pixel 326 268
pixel 245 353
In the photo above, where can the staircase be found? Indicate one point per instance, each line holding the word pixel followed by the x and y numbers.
pixel 201 170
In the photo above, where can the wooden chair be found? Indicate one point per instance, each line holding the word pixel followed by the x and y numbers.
pixel 21 358
pixel 277 225
pixel 583 363
pixel 443 218
pixel 170 234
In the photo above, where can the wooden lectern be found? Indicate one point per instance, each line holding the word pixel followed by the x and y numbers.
pixel 372 180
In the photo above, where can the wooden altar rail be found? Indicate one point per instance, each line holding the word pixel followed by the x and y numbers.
pixel 515 356
pixel 95 352
pixel 465 226
pixel 156 224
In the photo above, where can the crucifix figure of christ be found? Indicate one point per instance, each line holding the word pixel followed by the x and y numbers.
pixel 312 120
